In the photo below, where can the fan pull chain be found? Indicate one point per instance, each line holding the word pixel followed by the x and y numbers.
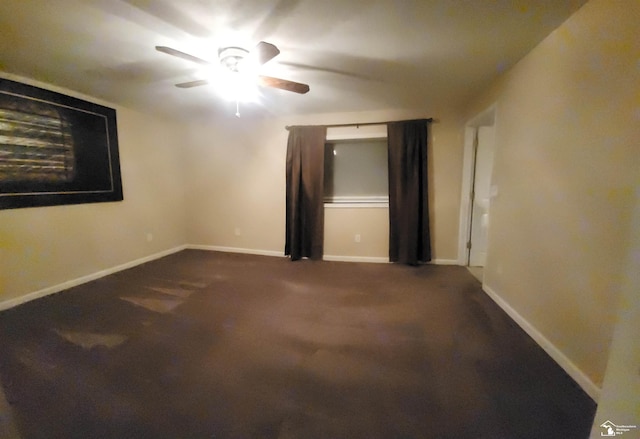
pixel 237 108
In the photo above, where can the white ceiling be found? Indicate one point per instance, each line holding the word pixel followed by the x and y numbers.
pixel 356 55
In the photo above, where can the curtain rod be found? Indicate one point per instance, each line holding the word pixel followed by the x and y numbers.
pixel 357 125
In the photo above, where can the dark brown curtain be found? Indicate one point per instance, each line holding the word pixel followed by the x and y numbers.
pixel 409 240
pixel 305 192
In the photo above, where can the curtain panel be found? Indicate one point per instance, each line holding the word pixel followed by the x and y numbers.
pixel 305 192
pixel 409 236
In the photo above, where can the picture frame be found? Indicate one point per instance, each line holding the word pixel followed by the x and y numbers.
pixel 55 149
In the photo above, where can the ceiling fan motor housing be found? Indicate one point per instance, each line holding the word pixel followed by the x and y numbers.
pixel 230 57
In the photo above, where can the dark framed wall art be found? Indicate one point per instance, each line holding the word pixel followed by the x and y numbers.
pixel 55 149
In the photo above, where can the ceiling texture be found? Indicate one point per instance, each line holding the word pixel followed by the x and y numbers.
pixel 356 55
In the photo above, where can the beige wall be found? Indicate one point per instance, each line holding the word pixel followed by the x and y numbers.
pixel 566 164
pixel 342 224
pixel 620 399
pixel 236 180
pixel 45 246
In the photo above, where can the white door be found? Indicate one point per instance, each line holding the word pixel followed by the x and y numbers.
pixel 481 195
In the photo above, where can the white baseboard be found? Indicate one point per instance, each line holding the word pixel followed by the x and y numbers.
pixel 84 279
pixel 563 361
pixel 381 260
pixel 249 251
pixel 336 258
pixel 445 262
pixel 370 259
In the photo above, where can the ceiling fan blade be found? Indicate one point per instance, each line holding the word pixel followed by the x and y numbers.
pixel 327 70
pixel 174 52
pixel 283 84
pixel 192 83
pixel 265 51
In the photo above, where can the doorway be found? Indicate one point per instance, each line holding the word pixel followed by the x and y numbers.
pixel 477 191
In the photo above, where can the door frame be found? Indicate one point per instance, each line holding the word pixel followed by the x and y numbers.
pixel 487 117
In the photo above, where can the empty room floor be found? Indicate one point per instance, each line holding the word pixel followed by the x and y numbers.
pixel 214 345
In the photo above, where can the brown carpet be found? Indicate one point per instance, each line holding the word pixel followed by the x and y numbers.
pixel 213 345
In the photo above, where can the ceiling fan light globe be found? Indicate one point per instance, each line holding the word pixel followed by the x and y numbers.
pixel 231 57
pixel 237 87
pixel 249 67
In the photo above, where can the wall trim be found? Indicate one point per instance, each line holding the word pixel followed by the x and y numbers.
pixel 486 117
pixel 556 354
pixel 445 262
pixel 465 194
pixel 11 303
pixel 370 259
pixel 334 258
pixel 249 251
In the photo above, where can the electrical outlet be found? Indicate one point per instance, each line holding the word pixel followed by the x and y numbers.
pixel 149 237
pixel 357 237
pixel 237 231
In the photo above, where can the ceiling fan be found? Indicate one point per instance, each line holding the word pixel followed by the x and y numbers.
pixel 237 59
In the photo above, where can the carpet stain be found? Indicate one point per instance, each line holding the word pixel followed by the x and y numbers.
pixel 156 305
pixel 32 359
pixel 176 292
pixel 184 283
pixel 296 287
pixel 88 340
pixel 193 284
